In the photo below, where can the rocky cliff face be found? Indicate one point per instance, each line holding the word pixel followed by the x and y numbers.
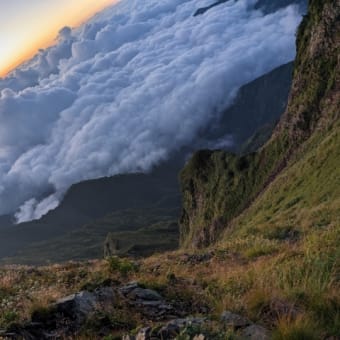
pixel 217 186
pixel 314 98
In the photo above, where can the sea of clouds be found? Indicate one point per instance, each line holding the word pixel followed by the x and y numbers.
pixel 124 90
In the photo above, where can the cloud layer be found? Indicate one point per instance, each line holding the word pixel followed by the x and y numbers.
pixel 126 89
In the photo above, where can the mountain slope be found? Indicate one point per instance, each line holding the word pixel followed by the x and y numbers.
pixel 257 105
pixel 273 272
pixel 218 186
pixel 84 214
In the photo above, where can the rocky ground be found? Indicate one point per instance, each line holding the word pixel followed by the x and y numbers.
pixel 162 318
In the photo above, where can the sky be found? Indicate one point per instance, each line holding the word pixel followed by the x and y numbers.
pixel 26 26
pixel 126 89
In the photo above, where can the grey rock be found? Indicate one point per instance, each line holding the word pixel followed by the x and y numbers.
pixel 169 331
pixel 255 332
pixel 234 321
pixel 77 306
pixel 188 322
pixel 112 246
pixel 129 287
pixel 144 294
pixel 145 303
pixel 196 258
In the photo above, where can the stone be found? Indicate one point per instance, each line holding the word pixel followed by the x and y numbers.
pixel 105 296
pixel 144 294
pixel 77 306
pixel 129 287
pixel 181 323
pixel 145 303
pixel 169 331
pixel 234 321
pixel 111 246
pixel 255 332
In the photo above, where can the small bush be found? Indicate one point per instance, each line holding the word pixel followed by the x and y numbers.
pixel 121 265
pixel 7 318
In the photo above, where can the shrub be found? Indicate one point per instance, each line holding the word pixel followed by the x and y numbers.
pixel 121 265
pixel 8 317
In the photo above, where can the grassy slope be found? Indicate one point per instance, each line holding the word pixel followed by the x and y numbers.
pixel 140 232
pixel 295 225
pixel 218 186
pixel 286 244
pixel 278 262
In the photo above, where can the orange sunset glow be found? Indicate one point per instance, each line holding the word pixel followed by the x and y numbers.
pixel 26 27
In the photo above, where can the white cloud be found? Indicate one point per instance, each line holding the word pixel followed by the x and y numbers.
pixel 123 91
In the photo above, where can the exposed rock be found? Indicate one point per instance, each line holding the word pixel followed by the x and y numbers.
pixel 190 321
pixel 218 186
pixel 246 329
pixel 168 331
pixel 129 287
pixel 234 321
pixel 77 306
pixel 111 246
pixel 255 332
pixel 144 294
pixel 64 317
pixel 196 258
pixel 147 301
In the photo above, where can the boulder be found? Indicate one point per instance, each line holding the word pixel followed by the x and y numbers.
pixel 129 287
pixel 255 332
pixel 144 294
pixel 76 306
pixel 111 246
pixel 234 321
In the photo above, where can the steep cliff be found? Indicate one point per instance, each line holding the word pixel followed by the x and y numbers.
pixel 218 186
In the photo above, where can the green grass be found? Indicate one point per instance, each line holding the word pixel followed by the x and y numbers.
pixel 123 266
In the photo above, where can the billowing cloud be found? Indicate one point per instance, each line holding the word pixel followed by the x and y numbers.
pixel 126 89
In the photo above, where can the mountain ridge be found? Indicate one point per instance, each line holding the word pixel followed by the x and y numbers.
pixel 259 103
pixel 270 272
pixel 239 180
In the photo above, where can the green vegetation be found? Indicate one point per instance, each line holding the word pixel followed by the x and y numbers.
pixel 140 233
pixel 218 186
pixel 276 214
pixel 271 220
pixel 123 266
